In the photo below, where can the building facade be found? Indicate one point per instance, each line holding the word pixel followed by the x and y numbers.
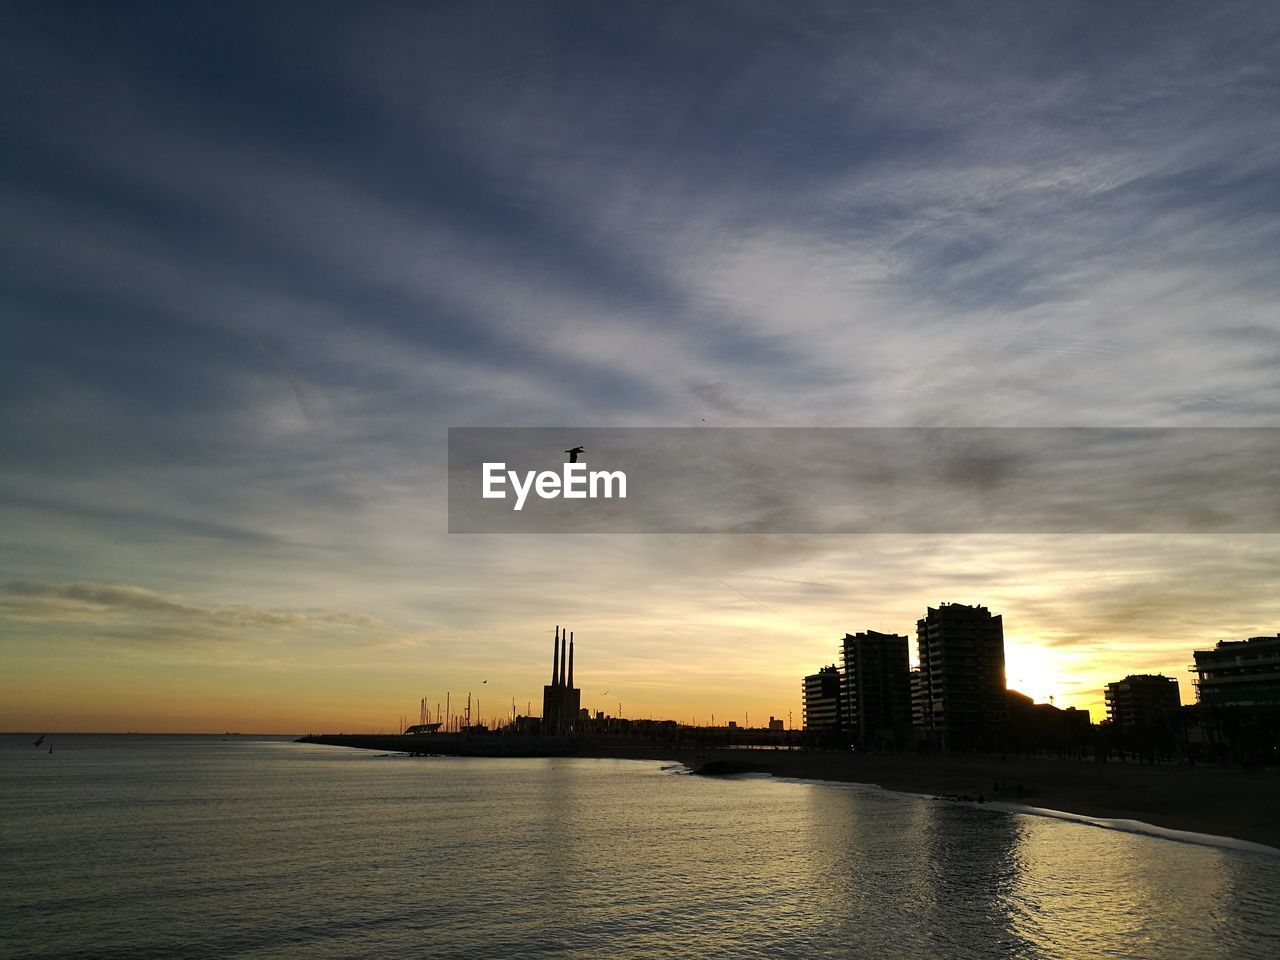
pixel 1142 702
pixel 877 689
pixel 1040 726
pixel 822 701
pixel 962 680
pixel 1243 674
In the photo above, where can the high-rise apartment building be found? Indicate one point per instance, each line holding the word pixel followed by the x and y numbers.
pixel 962 682
pixel 877 688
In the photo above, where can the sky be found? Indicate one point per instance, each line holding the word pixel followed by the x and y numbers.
pixel 258 258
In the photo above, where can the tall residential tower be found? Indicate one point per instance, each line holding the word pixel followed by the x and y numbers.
pixel 962 678
pixel 877 689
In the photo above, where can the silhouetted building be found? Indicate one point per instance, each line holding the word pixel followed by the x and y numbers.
pixel 419 729
pixel 561 700
pixel 917 700
pixel 962 676
pixel 776 724
pixel 877 688
pixel 1238 693
pixel 822 700
pixel 1142 702
pixel 1042 726
pixel 1241 674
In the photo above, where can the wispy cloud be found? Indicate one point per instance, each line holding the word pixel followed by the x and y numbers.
pixel 128 613
pixel 254 265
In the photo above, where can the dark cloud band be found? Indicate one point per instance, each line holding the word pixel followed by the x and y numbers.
pixel 868 480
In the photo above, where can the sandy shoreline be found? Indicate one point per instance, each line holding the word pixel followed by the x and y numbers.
pixel 1210 800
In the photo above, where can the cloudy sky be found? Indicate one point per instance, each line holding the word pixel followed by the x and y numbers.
pixel 257 258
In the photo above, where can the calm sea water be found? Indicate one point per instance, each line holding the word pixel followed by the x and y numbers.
pixel 174 847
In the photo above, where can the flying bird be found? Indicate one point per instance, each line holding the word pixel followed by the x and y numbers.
pixel 573 453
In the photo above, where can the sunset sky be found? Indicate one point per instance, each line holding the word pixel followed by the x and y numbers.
pixel 257 258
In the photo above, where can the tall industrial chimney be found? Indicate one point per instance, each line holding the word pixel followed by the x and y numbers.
pixel 570 659
pixel 564 651
pixel 555 657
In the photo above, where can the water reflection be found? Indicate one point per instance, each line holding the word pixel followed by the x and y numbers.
pixel 966 881
pixel 973 864
pixel 1087 889
pixel 208 851
pixel 945 873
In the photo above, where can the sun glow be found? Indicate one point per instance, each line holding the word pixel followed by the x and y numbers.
pixel 1035 671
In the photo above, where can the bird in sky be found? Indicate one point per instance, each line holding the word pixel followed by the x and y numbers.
pixel 573 453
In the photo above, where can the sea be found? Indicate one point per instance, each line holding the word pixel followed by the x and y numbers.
pixel 169 847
